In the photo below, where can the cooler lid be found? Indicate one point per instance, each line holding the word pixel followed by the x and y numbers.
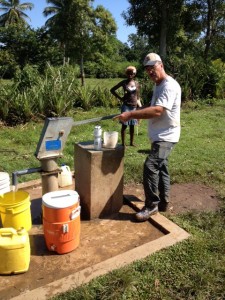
pixel 60 199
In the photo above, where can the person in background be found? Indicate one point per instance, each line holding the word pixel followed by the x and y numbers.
pixel 130 100
pixel 163 114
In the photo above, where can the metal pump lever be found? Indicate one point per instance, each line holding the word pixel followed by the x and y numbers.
pixel 77 123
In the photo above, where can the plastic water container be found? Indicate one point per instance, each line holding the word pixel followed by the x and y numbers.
pixel 65 176
pixel 14 251
pixel 98 138
pixel 110 139
pixel 15 210
pixel 4 183
pixel 61 220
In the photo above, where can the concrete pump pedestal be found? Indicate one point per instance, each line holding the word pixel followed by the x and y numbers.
pixel 49 175
pixel 99 179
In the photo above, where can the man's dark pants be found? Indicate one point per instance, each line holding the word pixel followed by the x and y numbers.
pixel 156 178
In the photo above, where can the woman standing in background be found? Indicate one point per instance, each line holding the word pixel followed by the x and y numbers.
pixel 130 100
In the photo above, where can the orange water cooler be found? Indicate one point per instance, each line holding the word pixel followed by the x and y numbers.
pixel 61 220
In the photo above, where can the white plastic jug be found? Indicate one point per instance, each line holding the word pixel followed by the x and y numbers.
pixel 65 176
pixel 110 139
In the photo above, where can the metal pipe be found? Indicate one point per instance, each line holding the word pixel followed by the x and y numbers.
pixel 22 172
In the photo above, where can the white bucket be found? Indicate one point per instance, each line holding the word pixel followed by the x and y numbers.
pixel 65 176
pixel 110 139
pixel 4 183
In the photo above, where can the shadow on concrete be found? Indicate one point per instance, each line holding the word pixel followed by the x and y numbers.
pixel 36 211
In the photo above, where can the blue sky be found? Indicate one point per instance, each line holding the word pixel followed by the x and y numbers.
pixel 116 7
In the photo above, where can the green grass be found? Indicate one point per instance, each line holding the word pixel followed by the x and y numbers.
pixel 5 81
pixel 193 269
pixel 92 82
pixel 104 82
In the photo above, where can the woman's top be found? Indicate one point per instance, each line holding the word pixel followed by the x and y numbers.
pixel 131 92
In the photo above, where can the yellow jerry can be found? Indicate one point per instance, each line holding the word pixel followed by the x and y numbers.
pixel 14 251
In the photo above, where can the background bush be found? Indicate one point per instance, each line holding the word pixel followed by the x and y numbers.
pixel 57 92
pixel 31 95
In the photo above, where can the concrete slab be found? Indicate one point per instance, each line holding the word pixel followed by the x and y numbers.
pixel 85 264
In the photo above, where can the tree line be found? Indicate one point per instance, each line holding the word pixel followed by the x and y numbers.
pixel 188 34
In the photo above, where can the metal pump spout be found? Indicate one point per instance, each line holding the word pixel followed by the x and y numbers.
pixel 22 172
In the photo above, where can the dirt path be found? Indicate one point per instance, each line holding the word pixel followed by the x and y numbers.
pixel 184 197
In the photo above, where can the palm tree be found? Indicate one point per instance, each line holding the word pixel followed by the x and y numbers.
pixel 54 10
pixel 57 23
pixel 13 12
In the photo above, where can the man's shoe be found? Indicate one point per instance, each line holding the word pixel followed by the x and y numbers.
pixel 145 213
pixel 163 206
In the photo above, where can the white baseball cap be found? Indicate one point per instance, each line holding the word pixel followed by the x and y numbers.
pixel 151 59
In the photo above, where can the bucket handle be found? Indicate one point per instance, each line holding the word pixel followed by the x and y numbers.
pixel 65 168
pixel 9 211
pixel 7 231
pixel 65 228
pixel 68 168
pixel 75 213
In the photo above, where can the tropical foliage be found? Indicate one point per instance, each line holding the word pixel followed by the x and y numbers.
pixel 177 26
pixel 86 31
pixel 55 93
pixel 13 12
pixel 188 34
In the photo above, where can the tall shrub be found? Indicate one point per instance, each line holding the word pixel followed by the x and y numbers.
pixel 32 95
pixel 199 79
pixel 219 69
pixel 58 89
